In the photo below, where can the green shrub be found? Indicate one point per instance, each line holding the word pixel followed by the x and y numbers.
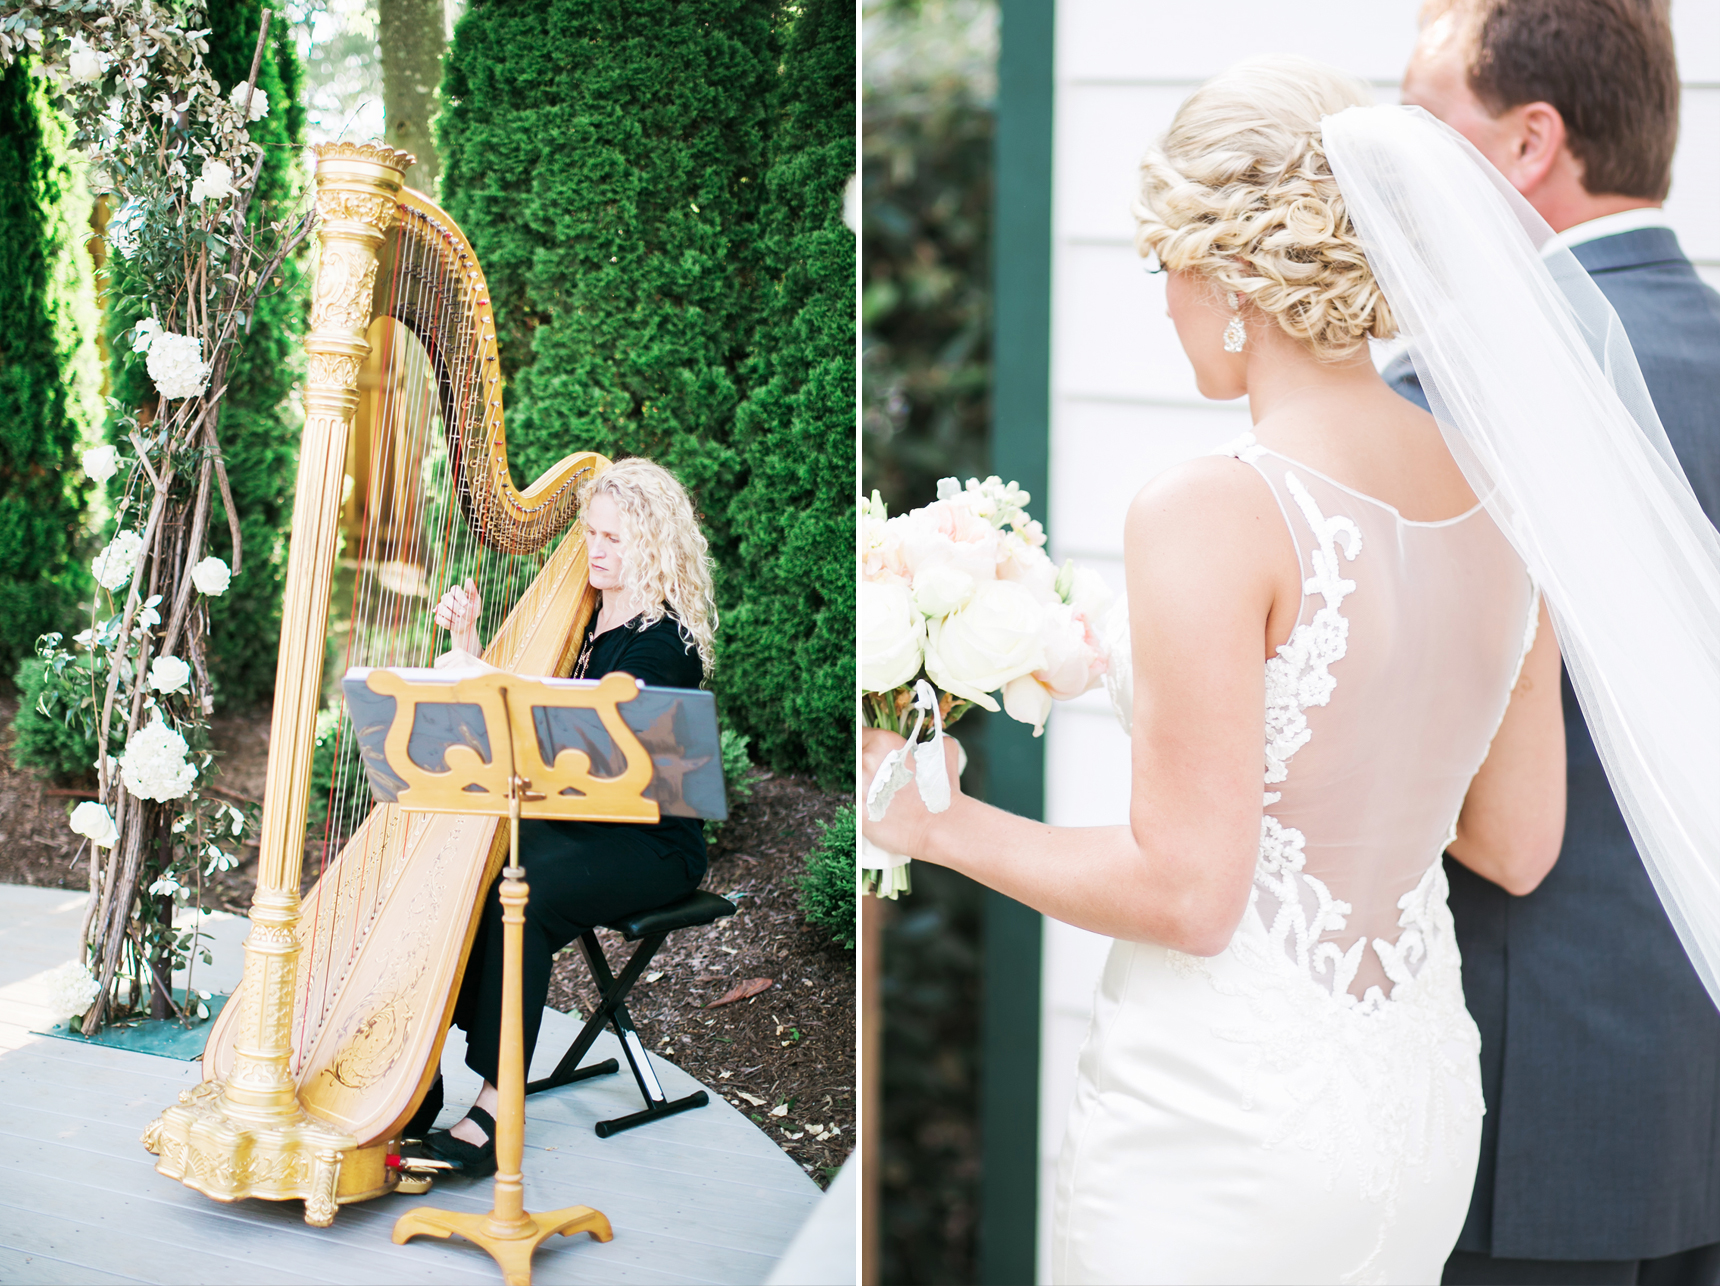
pixel 56 740
pixel 827 885
pixel 49 371
pixel 737 768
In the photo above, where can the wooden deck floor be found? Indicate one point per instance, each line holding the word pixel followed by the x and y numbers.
pixel 700 1197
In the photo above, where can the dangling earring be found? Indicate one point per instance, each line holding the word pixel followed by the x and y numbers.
pixel 1234 334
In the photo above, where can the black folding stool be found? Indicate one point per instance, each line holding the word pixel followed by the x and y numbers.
pixel 648 928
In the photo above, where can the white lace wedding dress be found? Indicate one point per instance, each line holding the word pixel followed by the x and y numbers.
pixel 1306 1105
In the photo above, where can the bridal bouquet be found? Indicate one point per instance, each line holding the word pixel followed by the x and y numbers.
pixel 958 600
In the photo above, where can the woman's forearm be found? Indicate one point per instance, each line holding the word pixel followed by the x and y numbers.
pixel 1097 878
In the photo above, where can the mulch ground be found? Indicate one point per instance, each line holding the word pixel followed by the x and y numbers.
pixel 785 1056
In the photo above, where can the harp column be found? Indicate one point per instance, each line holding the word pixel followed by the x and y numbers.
pixel 248 1136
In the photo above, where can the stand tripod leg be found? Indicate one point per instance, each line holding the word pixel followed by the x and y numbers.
pixel 508 1232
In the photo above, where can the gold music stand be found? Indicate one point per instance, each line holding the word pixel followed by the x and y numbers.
pixel 492 707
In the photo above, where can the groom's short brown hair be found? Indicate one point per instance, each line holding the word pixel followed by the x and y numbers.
pixel 1609 68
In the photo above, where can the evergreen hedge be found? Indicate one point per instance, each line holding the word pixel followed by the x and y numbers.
pixel 789 635
pixel 619 169
pixel 49 369
pixel 261 419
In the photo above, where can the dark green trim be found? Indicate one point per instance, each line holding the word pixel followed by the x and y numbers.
pixel 1020 452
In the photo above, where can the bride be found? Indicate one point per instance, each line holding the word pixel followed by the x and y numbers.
pixel 1281 1081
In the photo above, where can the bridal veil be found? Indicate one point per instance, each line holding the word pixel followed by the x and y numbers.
pixel 1540 399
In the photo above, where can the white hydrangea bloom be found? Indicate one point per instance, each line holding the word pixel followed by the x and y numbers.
pixel 113 566
pixel 176 365
pixel 168 674
pixel 153 765
pixel 211 576
pixel 94 823
pixel 83 62
pixel 259 100
pixel 100 463
pixel 215 182
pixel 70 990
pixel 143 334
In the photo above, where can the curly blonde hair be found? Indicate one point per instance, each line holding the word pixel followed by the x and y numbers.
pixel 1239 192
pixel 664 558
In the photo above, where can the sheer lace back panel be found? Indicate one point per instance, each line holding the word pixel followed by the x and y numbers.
pixel 1379 710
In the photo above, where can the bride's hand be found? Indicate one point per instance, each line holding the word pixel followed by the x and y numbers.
pixel 907 823
pixel 458 613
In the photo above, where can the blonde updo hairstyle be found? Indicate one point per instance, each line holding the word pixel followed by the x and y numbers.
pixel 664 559
pixel 1239 192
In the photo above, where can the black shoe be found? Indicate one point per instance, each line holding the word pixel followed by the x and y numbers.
pixel 425 1117
pixel 467 1159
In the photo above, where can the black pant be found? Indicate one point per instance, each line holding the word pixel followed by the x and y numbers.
pixel 1698 1267
pixel 580 874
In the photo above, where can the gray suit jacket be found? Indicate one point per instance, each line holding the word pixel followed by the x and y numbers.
pixel 1600 1049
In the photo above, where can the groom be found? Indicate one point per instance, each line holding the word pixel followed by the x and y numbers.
pixel 1600 1049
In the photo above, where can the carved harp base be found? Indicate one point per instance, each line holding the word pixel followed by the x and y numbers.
pixel 298 1159
pixel 511 1247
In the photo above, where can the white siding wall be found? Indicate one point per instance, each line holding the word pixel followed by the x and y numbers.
pixel 1124 405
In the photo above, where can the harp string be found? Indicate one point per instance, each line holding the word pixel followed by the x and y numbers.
pixel 418 534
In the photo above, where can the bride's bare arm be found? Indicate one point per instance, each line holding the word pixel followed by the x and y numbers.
pixel 1207 559
pixel 1513 818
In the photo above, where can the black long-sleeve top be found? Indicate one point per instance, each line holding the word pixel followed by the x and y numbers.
pixel 664 656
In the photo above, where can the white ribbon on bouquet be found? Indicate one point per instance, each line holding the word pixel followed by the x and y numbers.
pixel 920 762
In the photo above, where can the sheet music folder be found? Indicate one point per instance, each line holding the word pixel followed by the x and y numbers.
pixel 676 726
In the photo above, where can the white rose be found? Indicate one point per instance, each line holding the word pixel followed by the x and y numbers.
pixel 1072 662
pixel 892 636
pixel 992 640
pixel 168 674
pixel 153 765
pixel 941 589
pixel 259 100
pixel 143 334
pixel 1028 565
pixel 113 566
pixel 215 182
pixel 943 533
pixel 100 463
pixel 69 990
pixel 176 365
pixel 881 545
pixel 1089 595
pixel 84 63
pixel 1026 700
pixel 94 823
pixel 211 576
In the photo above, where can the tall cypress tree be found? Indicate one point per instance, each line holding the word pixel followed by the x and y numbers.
pixel 656 296
pixel 604 158
pixel 49 371
pixel 792 622
pixel 260 420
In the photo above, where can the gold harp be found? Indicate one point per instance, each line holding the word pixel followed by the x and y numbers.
pixel 335 1032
